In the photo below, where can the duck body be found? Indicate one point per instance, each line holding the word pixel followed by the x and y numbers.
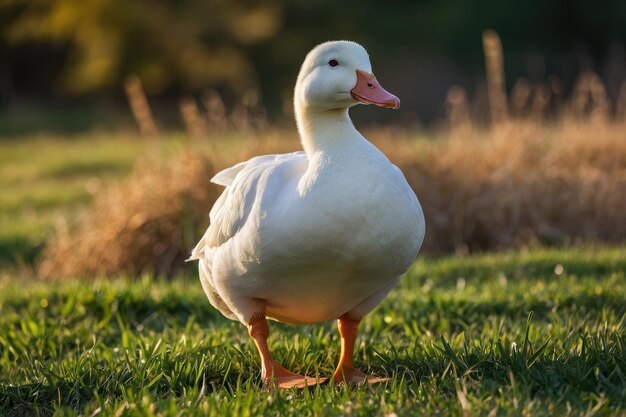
pixel 316 235
pixel 316 238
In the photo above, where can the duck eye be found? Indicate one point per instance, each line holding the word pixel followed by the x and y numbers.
pixel 333 63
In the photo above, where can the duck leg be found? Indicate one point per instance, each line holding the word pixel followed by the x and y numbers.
pixel 346 372
pixel 272 372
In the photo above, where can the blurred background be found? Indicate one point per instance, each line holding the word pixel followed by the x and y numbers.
pixel 115 114
pixel 64 63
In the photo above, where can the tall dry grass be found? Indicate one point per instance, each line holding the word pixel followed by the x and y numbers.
pixel 545 172
pixel 494 63
pixel 147 222
pixel 521 184
pixel 517 184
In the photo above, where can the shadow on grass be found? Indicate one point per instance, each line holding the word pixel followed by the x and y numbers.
pixel 542 309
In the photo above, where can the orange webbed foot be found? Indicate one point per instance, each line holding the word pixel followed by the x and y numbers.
pixel 285 379
pixel 352 376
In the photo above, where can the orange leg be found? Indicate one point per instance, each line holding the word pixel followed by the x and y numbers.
pixel 346 372
pixel 271 372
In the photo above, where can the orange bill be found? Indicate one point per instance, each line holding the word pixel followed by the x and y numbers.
pixel 369 91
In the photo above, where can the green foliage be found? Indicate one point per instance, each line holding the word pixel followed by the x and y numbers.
pixel 497 334
pixel 192 42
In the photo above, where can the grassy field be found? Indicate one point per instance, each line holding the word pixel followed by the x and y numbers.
pixel 526 333
pixel 539 332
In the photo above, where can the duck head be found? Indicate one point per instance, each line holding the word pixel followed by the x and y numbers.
pixel 338 75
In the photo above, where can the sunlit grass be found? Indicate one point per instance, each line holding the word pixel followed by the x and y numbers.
pixel 532 333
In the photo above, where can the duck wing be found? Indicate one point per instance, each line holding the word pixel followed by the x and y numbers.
pixel 232 209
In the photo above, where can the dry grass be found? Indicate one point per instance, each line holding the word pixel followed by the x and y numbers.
pixel 146 223
pixel 521 184
pixel 517 184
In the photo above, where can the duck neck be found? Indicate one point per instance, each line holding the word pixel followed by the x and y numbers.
pixel 325 130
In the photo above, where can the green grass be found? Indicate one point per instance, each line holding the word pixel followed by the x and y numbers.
pixel 487 335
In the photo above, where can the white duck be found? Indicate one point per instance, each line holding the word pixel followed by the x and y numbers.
pixel 316 235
